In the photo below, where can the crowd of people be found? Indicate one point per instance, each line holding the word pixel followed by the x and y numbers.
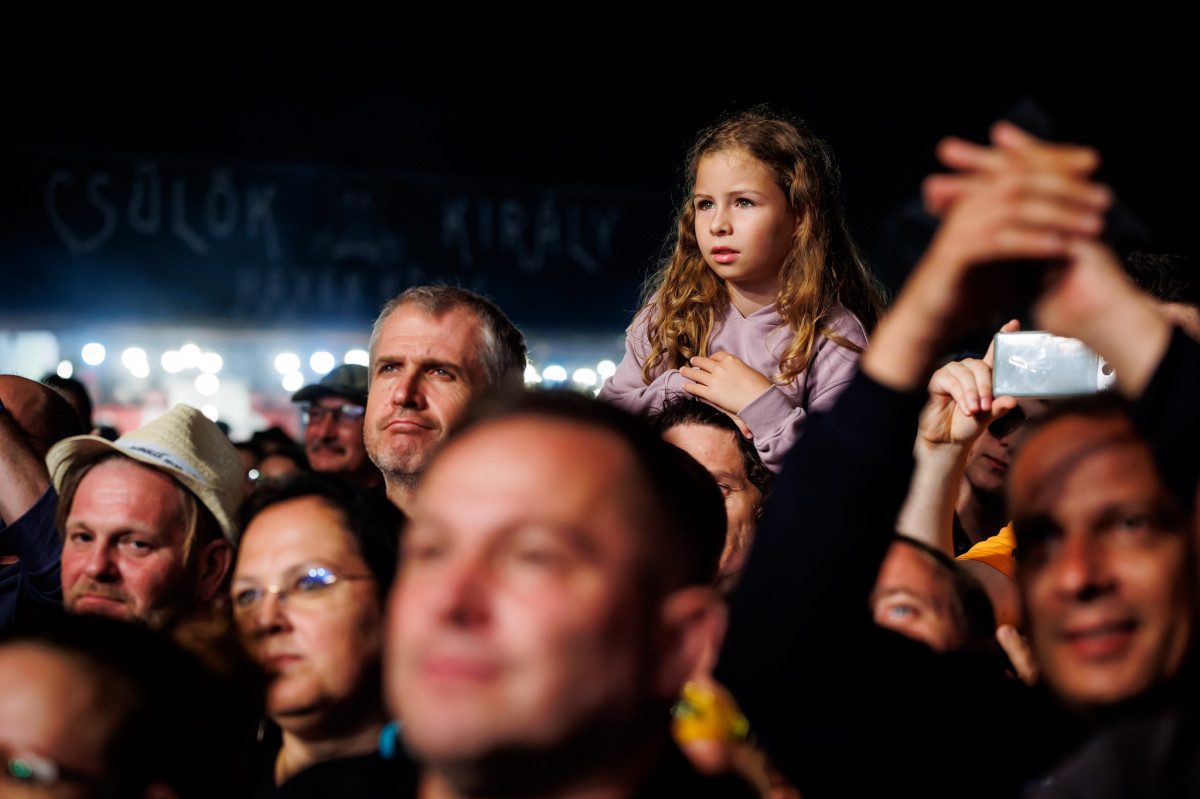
pixel 793 548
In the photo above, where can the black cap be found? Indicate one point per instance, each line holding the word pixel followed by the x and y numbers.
pixel 348 380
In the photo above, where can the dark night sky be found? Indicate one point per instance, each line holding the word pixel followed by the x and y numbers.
pixel 609 112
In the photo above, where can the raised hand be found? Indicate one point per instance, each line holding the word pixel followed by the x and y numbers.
pixel 961 405
pixel 1063 168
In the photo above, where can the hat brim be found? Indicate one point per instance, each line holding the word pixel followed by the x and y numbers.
pixel 316 392
pixel 63 455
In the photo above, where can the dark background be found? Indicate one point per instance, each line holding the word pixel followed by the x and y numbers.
pixel 419 111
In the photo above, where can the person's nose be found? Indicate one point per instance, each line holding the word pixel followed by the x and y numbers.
pixel 720 224
pixel 271 614
pixel 1081 569
pixel 465 588
pixel 408 390
pixel 100 564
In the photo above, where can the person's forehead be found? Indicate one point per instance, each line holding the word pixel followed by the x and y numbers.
pixel 120 485
pixel 731 165
pixel 907 569
pixel 295 531
pixel 48 704
pixel 713 447
pixel 533 468
pixel 1075 453
pixel 453 336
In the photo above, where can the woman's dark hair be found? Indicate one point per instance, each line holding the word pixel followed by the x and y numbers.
pixel 372 522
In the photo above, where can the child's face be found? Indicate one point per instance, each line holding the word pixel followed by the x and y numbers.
pixel 744 226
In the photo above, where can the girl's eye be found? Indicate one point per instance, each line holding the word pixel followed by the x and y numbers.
pixel 742 202
pixel 703 205
pixel 901 612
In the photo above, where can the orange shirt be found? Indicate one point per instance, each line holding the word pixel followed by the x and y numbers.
pixel 996 552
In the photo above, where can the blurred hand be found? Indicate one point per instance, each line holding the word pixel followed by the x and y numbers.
pixel 1016 646
pixel 1063 168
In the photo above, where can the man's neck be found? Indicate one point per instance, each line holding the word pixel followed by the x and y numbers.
pixel 980 515
pixel 620 777
pixel 402 490
pixel 436 786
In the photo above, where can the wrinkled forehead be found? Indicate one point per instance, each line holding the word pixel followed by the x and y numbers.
pixel 1056 452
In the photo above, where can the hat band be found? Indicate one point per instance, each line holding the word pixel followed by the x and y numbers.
pixel 161 454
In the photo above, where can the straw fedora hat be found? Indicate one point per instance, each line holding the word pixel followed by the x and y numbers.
pixel 185 444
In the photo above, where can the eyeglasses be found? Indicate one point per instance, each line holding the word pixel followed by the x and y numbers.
pixel 315 414
pixel 304 588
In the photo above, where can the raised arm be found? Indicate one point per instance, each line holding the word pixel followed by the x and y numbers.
pixel 23 475
pixel 959 410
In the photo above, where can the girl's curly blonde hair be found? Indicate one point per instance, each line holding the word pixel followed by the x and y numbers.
pixel 822 268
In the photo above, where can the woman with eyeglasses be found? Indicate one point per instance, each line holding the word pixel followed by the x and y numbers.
pixel 315 562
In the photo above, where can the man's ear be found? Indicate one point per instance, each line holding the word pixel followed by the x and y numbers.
pixel 692 625
pixel 213 563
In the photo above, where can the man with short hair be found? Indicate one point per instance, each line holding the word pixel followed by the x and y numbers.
pixel 32 418
pixel 554 594
pixel 1107 566
pixel 147 520
pixel 333 411
pixel 433 349
pixel 713 439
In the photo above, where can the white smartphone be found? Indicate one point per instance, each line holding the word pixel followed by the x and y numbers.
pixel 1035 363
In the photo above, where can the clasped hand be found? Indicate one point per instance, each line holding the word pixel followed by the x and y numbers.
pixel 726 382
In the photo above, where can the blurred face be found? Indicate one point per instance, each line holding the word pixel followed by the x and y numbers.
pixel 276 466
pixel 333 441
pixel 914 597
pixel 516 622
pixel 717 451
pixel 991 455
pixel 1106 565
pixel 426 369
pixel 743 224
pixel 123 554
pixel 319 644
pixel 49 711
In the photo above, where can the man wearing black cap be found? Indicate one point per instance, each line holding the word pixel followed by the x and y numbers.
pixel 333 424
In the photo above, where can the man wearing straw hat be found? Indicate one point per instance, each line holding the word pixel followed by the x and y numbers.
pixel 147 520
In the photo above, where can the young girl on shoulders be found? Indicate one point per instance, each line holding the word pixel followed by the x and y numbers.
pixel 763 308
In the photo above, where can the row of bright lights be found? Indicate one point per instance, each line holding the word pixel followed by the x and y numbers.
pixel 558 374
pixel 321 362
pixel 190 356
